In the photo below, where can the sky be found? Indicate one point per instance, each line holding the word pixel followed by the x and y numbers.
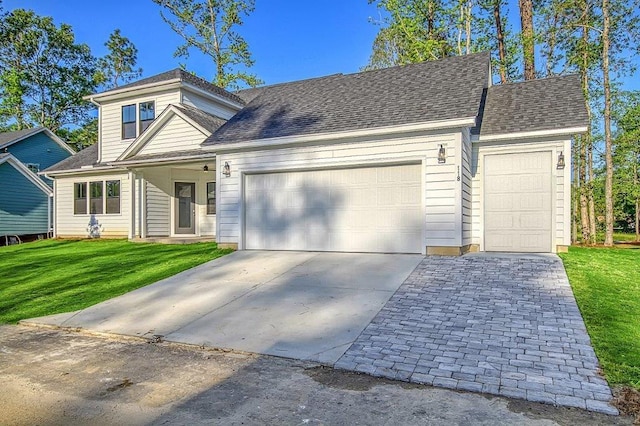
pixel 289 39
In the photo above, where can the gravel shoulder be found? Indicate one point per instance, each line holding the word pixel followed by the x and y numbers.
pixel 61 377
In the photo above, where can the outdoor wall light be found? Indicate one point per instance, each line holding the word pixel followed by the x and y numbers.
pixel 226 170
pixel 560 164
pixel 442 155
pixel 205 168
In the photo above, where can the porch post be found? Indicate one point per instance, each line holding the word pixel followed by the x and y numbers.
pixel 132 212
pixel 142 206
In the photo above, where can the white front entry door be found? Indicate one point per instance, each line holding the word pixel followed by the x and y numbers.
pixel 365 209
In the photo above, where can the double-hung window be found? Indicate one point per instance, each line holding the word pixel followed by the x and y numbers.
pixel 147 114
pixel 113 196
pixel 80 198
pixel 95 200
pixel 136 118
pixel 128 121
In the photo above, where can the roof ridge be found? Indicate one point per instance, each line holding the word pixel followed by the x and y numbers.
pixel 547 78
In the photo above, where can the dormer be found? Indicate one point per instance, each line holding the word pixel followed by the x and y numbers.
pixel 125 112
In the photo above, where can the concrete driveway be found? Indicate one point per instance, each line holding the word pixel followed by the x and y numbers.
pixel 309 306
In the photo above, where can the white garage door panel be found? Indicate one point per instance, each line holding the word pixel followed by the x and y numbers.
pixel 518 202
pixel 373 209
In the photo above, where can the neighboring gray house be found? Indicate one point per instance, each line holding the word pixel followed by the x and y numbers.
pixel 424 158
pixel 25 197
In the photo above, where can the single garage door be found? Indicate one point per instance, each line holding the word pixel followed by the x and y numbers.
pixel 368 209
pixel 518 202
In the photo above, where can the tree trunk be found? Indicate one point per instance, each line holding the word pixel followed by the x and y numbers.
pixel 608 184
pixel 592 204
pixel 635 184
pixel 468 24
pixel 574 198
pixel 582 179
pixel 502 54
pixel 528 45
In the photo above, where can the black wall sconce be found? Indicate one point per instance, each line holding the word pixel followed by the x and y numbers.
pixel 561 163
pixel 442 155
pixel 205 168
pixel 226 170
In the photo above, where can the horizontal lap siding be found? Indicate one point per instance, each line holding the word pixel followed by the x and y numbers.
pixel 112 225
pixel 176 134
pixel 39 149
pixel 23 206
pixel 206 105
pixel 561 195
pixel 467 191
pixel 158 203
pixel 438 183
pixel 111 120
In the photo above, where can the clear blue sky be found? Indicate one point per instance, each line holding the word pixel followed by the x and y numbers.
pixel 289 39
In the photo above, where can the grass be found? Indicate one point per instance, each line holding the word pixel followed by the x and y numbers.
pixel 606 283
pixel 54 276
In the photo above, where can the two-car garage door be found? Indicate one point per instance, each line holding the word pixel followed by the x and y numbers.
pixel 518 202
pixel 364 209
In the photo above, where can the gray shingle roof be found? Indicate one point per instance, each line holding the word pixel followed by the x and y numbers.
pixel 439 90
pixel 86 157
pixel 544 104
pixel 204 119
pixel 7 137
pixel 183 76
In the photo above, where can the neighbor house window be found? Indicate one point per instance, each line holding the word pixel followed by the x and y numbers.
pixel 113 196
pixel 147 114
pixel 128 122
pixel 34 167
pixel 95 200
pixel 80 198
pixel 211 198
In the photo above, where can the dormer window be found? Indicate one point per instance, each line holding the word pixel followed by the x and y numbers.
pixel 132 126
pixel 147 114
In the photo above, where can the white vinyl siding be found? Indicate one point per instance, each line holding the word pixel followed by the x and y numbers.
pixel 159 196
pixel 112 144
pixel 69 224
pixel 439 193
pixel 561 231
pixel 370 209
pixel 175 135
pixel 204 104
pixel 466 189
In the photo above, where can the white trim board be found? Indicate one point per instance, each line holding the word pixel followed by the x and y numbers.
pixel 329 136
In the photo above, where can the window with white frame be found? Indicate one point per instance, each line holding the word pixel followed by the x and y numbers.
pixel 103 197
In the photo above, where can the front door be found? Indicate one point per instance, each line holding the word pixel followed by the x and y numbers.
pixel 185 208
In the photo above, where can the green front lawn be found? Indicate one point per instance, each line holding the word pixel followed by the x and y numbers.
pixel 54 276
pixel 606 283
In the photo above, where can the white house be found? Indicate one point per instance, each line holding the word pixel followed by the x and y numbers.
pixel 426 158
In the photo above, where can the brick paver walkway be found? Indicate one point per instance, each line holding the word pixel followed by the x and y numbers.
pixel 506 325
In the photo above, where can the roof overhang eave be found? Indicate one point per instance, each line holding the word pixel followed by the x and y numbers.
pixel 568 131
pixel 458 123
